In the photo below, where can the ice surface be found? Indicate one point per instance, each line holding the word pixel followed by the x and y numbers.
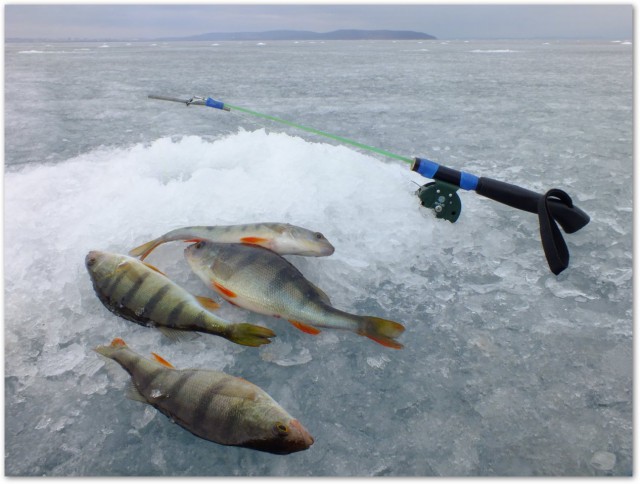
pixel 507 369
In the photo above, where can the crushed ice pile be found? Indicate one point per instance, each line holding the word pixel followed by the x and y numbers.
pixel 507 369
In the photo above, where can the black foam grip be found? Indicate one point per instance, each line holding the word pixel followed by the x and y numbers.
pixel 570 217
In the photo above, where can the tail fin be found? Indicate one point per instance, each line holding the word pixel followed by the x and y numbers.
pixel 381 331
pixel 145 249
pixel 249 334
pixel 115 345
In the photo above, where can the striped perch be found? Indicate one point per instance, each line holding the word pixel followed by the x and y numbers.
pixel 281 238
pixel 211 404
pixel 140 293
pixel 259 280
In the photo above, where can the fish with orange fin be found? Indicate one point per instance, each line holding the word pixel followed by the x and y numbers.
pixel 210 404
pixel 285 239
pixel 262 281
pixel 141 293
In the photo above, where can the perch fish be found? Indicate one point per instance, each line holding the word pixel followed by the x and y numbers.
pixel 284 239
pixel 140 293
pixel 259 280
pixel 210 404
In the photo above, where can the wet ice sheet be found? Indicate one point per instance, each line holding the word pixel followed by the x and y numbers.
pixel 491 345
pixel 507 369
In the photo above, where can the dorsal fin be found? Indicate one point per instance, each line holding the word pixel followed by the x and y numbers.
pixel 323 295
pixel 177 334
pixel 162 361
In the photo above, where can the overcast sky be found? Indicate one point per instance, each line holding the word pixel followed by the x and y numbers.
pixel 444 21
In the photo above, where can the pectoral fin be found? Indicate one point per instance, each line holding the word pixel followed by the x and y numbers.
pixel 154 268
pixel 223 290
pixel 161 360
pixel 134 394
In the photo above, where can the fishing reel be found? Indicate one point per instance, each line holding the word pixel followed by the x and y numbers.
pixel 441 197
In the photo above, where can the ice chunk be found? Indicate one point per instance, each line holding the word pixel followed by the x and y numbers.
pixel 140 421
pixel 603 461
pixel 378 362
pixel 283 354
pixel 57 361
pixel 564 290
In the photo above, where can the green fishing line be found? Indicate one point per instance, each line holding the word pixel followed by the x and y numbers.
pixel 321 133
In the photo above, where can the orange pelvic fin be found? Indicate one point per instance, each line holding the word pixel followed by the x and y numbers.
pixel 118 342
pixel 195 241
pixel 161 360
pixel 224 290
pixel 253 240
pixel 305 328
pixel 207 303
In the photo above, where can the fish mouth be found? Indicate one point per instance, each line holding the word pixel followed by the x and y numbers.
pixel 314 250
pixel 92 257
pixel 328 250
pixel 307 439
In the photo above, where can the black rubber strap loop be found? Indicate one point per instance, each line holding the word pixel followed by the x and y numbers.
pixel 553 244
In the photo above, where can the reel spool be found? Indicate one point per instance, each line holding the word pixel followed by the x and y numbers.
pixel 441 197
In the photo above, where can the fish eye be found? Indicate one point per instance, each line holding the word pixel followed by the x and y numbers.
pixel 91 261
pixel 281 429
pixel 319 236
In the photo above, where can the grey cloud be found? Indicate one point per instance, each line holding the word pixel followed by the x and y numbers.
pixel 443 21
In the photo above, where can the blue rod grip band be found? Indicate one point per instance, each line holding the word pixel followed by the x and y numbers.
pixel 433 170
pixel 468 181
pixel 426 168
pixel 212 103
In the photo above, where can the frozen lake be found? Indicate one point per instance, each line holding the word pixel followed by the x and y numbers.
pixel 507 369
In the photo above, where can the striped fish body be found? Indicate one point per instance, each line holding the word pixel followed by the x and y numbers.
pixel 278 237
pixel 139 293
pixel 210 404
pixel 264 282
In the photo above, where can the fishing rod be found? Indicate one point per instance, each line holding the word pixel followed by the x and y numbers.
pixel 441 195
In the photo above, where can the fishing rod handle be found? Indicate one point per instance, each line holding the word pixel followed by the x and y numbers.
pixel 562 209
pixel 570 217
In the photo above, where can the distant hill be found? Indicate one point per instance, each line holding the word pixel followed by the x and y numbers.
pixel 348 34
pixel 307 35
